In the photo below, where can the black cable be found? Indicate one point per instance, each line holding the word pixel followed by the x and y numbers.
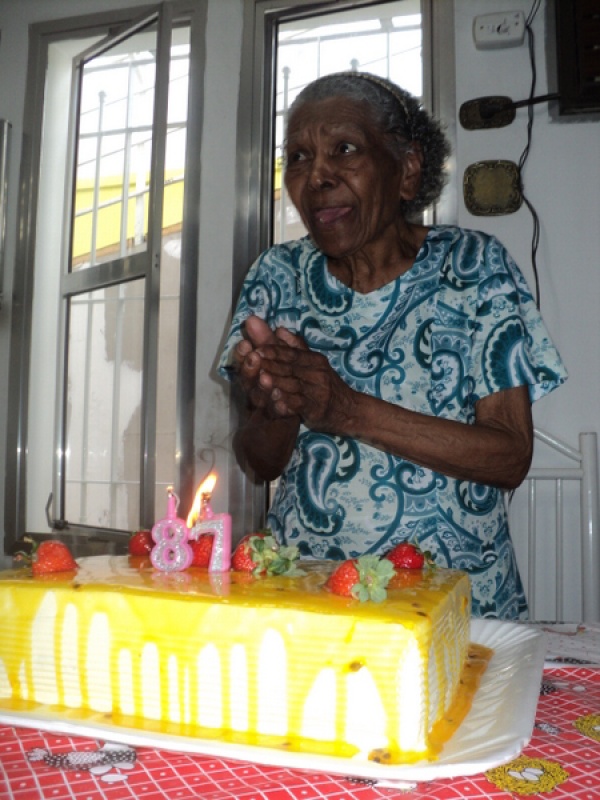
pixel 533 11
pixel 535 240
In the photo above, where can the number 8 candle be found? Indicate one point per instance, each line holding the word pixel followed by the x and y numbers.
pixel 171 552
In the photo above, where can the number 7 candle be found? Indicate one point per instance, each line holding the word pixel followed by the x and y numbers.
pixel 202 519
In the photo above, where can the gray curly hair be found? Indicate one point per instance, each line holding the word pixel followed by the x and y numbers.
pixel 401 119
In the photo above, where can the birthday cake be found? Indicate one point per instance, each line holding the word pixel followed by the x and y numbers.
pixel 273 661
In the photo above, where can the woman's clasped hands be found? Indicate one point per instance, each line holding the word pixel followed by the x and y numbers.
pixel 282 376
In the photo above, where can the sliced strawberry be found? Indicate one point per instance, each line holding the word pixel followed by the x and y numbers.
pixel 140 543
pixel 201 549
pixel 52 556
pixel 406 556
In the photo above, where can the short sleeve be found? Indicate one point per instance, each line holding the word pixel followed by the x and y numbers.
pixel 270 291
pixel 511 345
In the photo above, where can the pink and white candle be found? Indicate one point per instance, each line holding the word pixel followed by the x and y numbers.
pixel 202 519
pixel 171 552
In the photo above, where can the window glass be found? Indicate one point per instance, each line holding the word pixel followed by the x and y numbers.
pixel 114 148
pixel 103 454
pixel 103 404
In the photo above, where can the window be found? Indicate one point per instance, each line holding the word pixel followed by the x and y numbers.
pixel 109 280
pixel 102 345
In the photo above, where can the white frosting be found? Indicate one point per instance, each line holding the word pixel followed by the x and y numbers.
pixel 187 702
pixel 210 690
pixel 43 666
pixel 365 715
pixel 97 664
pixel 23 681
pixel 318 719
pixel 126 682
pixel 411 733
pixel 69 659
pixel 272 684
pixel 5 687
pixel 150 680
pixel 433 685
pixel 238 688
pixel 173 691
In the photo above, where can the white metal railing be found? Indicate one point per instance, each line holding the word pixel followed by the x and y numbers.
pixel 584 576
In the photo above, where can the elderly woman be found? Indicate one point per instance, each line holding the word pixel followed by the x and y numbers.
pixel 389 367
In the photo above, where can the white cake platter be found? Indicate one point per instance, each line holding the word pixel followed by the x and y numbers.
pixel 496 729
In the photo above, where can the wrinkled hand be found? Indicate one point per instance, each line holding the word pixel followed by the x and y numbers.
pixel 248 362
pixel 302 382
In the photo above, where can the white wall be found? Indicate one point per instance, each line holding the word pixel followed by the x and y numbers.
pixel 562 180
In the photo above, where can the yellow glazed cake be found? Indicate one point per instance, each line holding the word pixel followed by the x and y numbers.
pixel 275 661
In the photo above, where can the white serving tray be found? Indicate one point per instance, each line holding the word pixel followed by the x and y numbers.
pixel 496 729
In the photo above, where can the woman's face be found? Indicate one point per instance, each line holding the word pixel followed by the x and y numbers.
pixel 343 181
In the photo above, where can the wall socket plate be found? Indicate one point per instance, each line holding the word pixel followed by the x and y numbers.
pixel 504 29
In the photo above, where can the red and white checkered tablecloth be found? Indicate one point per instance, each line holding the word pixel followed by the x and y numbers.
pixel 561 761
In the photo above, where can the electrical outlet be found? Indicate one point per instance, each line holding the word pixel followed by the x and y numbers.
pixel 505 29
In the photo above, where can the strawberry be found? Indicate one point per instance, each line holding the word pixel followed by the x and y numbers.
pixel 140 543
pixel 260 554
pixel 363 578
pixel 52 556
pixel 343 579
pixel 242 559
pixel 202 549
pixel 406 556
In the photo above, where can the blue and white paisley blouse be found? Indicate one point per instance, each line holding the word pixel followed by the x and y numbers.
pixel 459 325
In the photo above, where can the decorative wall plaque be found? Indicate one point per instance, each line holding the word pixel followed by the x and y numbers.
pixel 492 188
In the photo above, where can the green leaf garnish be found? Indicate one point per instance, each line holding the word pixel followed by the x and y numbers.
pixel 272 558
pixel 374 574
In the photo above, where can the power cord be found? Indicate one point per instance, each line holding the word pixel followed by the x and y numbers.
pixel 535 240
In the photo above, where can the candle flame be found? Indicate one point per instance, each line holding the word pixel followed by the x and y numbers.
pixel 202 497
